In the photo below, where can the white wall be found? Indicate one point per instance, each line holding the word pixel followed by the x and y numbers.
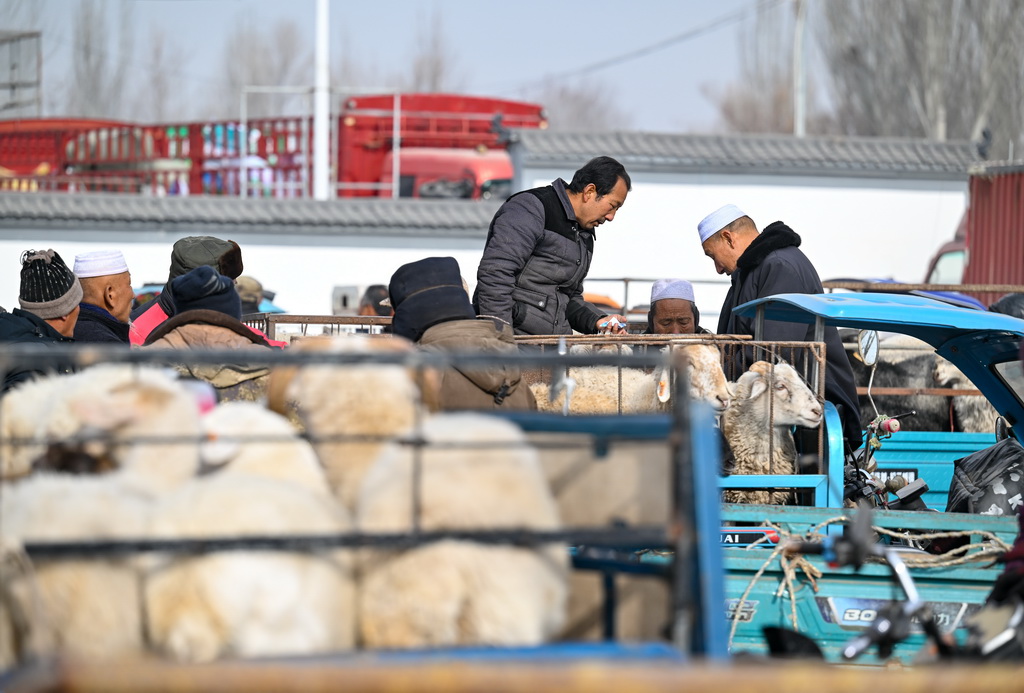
pixel 856 229
pixel 849 228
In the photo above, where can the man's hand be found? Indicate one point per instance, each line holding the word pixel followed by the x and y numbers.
pixel 612 324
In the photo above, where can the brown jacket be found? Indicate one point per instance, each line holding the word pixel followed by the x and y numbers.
pixel 210 329
pixel 490 387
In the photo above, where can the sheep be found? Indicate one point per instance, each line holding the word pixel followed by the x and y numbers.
pixel 350 412
pixel 251 603
pixel 971 413
pixel 247 438
pixel 113 413
pixel 248 603
pixel 768 400
pixel 908 362
pixel 82 608
pixel 92 607
pixel 457 592
pixel 597 388
pixel 21 412
pixel 398 603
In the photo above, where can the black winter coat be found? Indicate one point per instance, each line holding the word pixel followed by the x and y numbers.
pixel 534 263
pixel 97 325
pixel 774 264
pixel 22 327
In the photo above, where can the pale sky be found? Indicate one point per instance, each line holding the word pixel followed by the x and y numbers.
pixel 500 48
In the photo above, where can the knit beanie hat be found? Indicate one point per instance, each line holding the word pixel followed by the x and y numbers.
pixel 205 289
pixel 194 251
pixel 48 288
pixel 426 293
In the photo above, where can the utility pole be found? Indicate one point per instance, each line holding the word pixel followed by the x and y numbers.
pixel 799 78
pixel 321 106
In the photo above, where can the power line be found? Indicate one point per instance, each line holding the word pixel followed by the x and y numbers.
pixel 649 49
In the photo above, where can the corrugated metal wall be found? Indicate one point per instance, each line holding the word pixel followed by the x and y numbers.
pixel 995 230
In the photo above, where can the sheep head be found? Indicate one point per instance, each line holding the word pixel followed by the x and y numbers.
pixel 780 386
pixel 702 364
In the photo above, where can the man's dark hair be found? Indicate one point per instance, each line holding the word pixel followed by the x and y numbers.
pixel 604 172
pixel 374 294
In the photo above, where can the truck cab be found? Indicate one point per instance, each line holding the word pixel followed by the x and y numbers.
pixel 445 173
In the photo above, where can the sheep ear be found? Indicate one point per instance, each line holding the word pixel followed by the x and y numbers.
pixel 664 386
pixel 216 452
pixel 759 387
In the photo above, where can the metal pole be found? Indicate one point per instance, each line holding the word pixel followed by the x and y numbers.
pixel 396 145
pixel 799 78
pixel 321 100
pixel 243 126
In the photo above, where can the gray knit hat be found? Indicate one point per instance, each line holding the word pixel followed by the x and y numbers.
pixel 48 288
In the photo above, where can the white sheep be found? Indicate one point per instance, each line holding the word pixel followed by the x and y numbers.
pixel 143 420
pixel 247 438
pixel 768 400
pixel 248 603
pixel 93 607
pixel 83 608
pixel 22 412
pixel 477 472
pixel 400 603
pixel 598 389
pixel 259 478
pixel 350 412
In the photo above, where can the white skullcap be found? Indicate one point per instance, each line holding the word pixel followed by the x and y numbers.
pixel 718 220
pixel 672 288
pixel 100 263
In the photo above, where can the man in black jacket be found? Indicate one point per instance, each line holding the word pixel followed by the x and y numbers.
pixel 49 298
pixel 106 297
pixel 538 253
pixel 767 264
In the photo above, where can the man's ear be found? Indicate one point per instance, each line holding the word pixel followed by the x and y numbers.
pixel 110 296
pixel 590 191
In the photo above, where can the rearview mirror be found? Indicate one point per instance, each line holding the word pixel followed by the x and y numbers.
pixel 867 347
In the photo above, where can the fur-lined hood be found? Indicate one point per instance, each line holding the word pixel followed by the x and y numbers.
pixel 774 237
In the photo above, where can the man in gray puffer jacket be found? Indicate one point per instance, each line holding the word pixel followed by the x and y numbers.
pixel 538 253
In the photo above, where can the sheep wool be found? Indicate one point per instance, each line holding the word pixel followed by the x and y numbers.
pixel 460 592
pixel 87 609
pixel 248 604
pixel 768 401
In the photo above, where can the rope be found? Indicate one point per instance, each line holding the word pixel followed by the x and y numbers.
pixel 991 548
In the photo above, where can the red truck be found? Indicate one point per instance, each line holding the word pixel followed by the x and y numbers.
pixel 988 247
pixel 445 145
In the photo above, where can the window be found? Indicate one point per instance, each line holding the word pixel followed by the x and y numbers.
pixel 949 268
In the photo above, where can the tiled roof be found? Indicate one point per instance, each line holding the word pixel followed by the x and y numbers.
pixel 353 217
pixel 751 154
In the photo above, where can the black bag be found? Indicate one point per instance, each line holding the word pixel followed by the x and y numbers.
pixel 990 481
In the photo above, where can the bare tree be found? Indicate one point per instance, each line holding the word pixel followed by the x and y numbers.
pixel 944 69
pixel 277 57
pixel 581 106
pixel 761 99
pixel 434 63
pixel 158 86
pixel 101 55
